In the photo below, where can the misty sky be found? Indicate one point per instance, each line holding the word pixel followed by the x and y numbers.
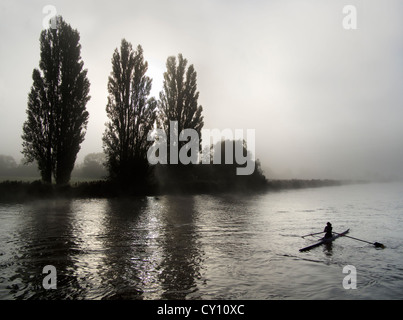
pixel 325 102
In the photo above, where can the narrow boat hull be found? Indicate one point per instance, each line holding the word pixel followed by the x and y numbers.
pixel 324 240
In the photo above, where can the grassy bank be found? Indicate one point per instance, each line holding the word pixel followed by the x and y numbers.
pixel 25 190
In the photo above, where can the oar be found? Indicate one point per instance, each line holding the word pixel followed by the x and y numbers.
pixel 312 234
pixel 376 244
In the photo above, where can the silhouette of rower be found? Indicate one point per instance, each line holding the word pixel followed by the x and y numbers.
pixel 328 230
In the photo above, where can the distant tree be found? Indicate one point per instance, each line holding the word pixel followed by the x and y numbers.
pixel 226 173
pixel 28 170
pixel 93 166
pixel 7 162
pixel 10 168
pixel 7 165
pixel 178 100
pixel 57 115
pixel 131 115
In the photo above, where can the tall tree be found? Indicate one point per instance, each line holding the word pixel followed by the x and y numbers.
pixel 131 115
pixel 178 100
pixel 57 115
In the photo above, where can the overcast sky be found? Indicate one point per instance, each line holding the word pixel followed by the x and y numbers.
pixel 325 101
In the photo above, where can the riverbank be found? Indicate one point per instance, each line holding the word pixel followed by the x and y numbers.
pixel 25 190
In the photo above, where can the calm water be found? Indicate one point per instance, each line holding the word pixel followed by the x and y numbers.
pixel 205 247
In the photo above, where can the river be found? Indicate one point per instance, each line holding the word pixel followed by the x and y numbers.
pixel 206 247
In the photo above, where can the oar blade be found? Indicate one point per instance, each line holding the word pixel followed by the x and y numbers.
pixel 379 245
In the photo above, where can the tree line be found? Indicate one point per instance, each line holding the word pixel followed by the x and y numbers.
pixel 91 168
pixel 57 117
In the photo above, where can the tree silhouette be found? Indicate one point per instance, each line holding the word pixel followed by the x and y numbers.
pixel 57 115
pixel 131 116
pixel 178 100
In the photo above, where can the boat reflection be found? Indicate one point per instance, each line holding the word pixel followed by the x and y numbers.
pixel 328 248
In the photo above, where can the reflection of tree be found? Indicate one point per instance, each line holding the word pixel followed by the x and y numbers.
pixel 125 249
pixel 182 256
pixel 45 238
pixel 113 249
pixel 151 249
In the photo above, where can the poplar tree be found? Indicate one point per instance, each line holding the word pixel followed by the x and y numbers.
pixel 57 116
pixel 179 100
pixel 131 116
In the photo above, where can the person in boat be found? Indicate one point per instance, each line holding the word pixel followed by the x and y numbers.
pixel 328 230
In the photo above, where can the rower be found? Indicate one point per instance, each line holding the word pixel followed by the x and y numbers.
pixel 328 230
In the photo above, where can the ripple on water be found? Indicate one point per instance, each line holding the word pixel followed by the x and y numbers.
pixel 204 247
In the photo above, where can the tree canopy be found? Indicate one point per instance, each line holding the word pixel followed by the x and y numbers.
pixel 131 115
pixel 179 100
pixel 57 115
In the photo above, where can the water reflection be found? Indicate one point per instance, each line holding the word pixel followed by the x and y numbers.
pixel 45 238
pixel 207 247
pixel 150 249
pixel 328 248
pixel 87 226
pixel 142 248
pixel 181 251
pixel 130 255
